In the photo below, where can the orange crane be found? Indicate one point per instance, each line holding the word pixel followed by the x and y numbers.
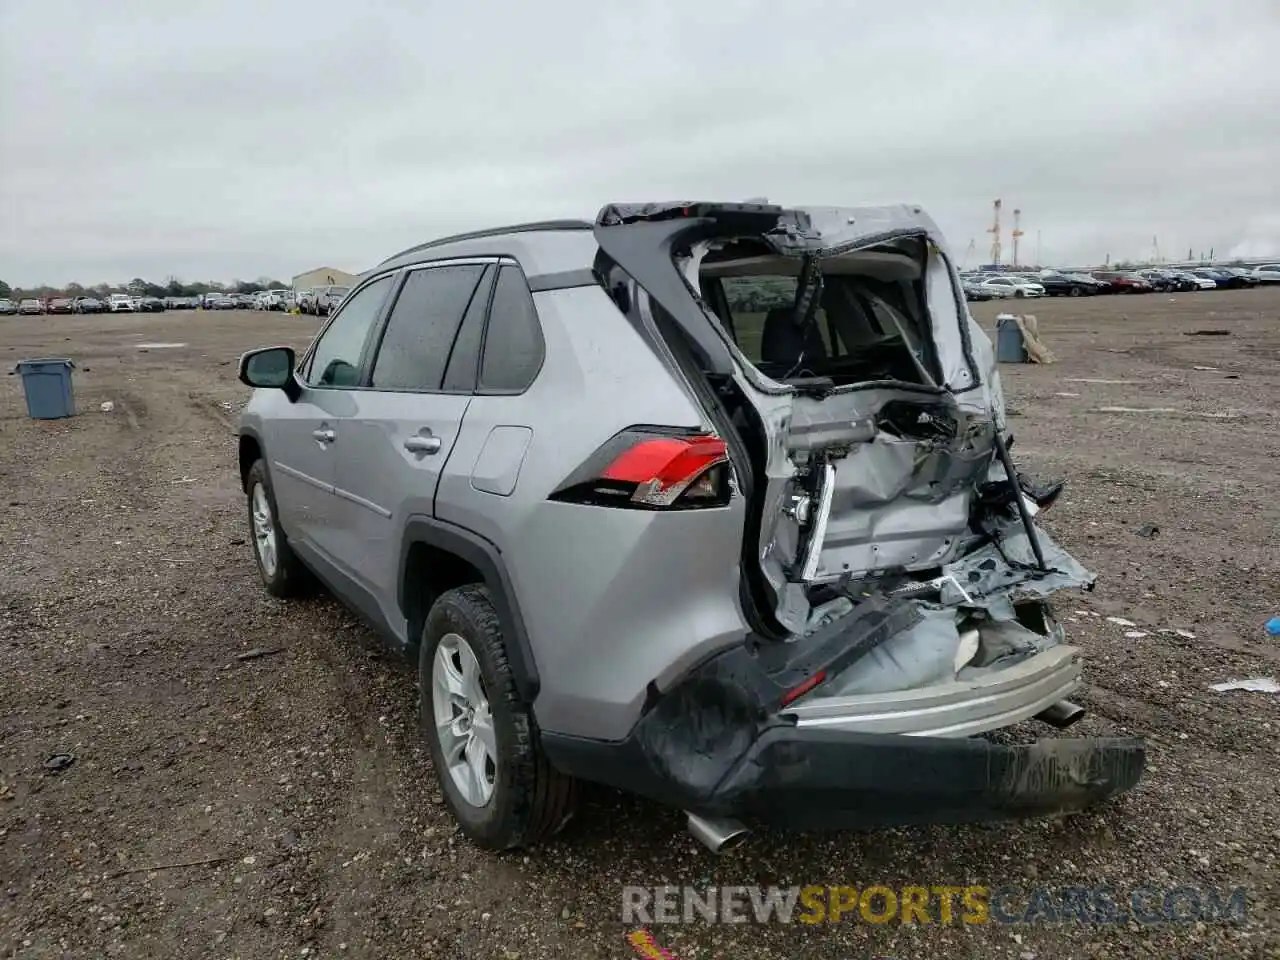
pixel 1017 232
pixel 994 230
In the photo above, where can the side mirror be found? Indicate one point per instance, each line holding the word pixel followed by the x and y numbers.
pixel 270 367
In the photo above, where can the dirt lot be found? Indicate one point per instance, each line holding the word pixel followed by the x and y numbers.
pixel 127 589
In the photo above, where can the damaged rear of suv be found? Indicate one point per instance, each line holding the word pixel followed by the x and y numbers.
pixel 709 502
pixel 892 574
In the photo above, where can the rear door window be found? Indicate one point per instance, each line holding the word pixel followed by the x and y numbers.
pixel 422 326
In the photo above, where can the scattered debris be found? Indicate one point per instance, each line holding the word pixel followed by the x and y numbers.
pixel 59 762
pixel 1253 685
pixel 1207 333
pixel 1121 622
pixel 1184 634
pixel 1136 634
pixel 1096 380
pixel 107 406
pixel 184 480
pixel 258 653
pixel 1037 352
pixel 169 866
pixel 1216 415
pixel 160 346
pixel 173 560
pixel 1273 626
pixel 1148 530
pixel 1066 394
pixel 1208 369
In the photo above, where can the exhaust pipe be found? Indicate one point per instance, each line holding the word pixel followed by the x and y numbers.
pixel 1061 714
pixel 717 835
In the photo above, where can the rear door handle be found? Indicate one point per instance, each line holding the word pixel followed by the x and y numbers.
pixel 324 436
pixel 423 443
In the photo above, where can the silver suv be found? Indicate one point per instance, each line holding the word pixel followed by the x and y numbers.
pixel 708 502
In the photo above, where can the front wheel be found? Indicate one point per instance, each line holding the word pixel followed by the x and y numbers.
pixel 1018 293
pixel 1076 291
pixel 481 735
pixel 282 572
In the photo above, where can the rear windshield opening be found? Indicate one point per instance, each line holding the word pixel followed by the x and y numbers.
pixel 870 323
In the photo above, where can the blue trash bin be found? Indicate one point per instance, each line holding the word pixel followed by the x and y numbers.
pixel 47 383
pixel 1010 347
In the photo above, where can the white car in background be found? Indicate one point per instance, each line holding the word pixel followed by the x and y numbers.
pixel 120 303
pixel 1267 273
pixel 1005 287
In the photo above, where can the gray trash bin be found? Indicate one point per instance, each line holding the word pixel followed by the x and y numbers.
pixel 47 383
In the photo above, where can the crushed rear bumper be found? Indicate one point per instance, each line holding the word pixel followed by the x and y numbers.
pixel 814 779
pixel 719 744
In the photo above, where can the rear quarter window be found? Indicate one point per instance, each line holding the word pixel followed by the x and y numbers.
pixel 513 344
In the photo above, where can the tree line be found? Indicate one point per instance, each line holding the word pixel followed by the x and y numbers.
pixel 138 287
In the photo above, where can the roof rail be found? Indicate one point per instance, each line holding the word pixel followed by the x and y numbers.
pixel 538 225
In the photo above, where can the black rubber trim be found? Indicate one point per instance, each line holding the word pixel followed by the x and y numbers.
pixel 487 558
pixel 564 280
pixel 353 596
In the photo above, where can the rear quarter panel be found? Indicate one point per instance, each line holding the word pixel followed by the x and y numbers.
pixel 612 598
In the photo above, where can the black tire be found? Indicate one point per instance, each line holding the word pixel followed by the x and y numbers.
pixel 1018 293
pixel 1075 291
pixel 531 800
pixel 290 578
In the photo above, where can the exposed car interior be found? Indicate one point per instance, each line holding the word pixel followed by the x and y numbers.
pixel 857 318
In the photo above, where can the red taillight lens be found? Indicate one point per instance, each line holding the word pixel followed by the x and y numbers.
pixel 646 469
pixel 800 689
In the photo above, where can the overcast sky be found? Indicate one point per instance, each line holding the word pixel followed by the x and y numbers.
pixel 220 139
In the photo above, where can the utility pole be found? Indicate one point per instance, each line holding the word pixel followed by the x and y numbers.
pixel 1016 234
pixel 994 230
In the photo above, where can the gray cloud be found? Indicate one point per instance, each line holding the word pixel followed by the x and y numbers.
pixel 235 138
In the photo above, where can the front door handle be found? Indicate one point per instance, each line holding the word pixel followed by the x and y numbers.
pixel 422 443
pixel 324 435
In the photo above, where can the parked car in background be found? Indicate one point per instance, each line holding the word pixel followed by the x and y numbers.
pixel 269 300
pixel 150 305
pixel 30 307
pixel 1191 282
pixel 1060 285
pixel 973 291
pixel 61 305
pixel 1160 280
pixel 1267 273
pixel 306 301
pixel 1004 287
pixel 120 303
pixel 1099 286
pixel 1225 279
pixel 7 307
pixel 1244 273
pixel 87 305
pixel 1125 282
pixel 225 301
pixel 328 298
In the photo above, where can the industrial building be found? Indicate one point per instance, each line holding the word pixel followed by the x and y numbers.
pixel 323 277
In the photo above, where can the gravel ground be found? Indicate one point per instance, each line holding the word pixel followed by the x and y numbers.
pixel 127 589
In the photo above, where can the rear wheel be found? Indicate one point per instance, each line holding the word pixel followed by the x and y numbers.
pixel 1076 291
pixel 483 740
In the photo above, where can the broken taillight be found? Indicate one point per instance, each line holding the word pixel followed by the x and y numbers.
pixel 654 469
